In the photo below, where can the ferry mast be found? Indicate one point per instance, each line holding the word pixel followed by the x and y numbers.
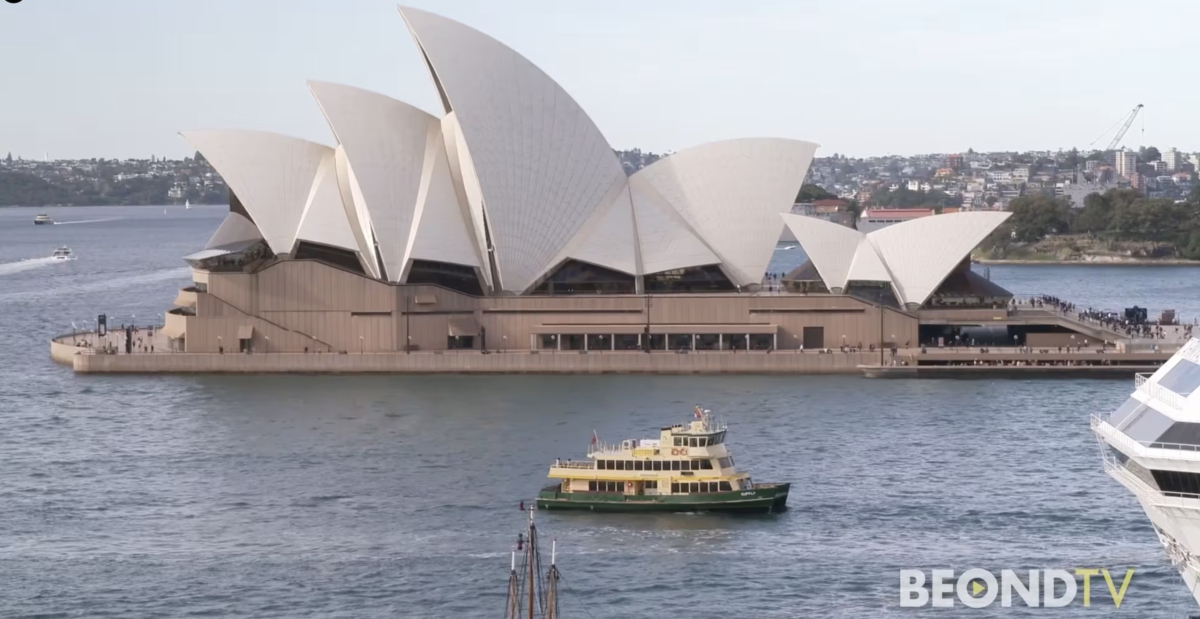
pixel 528 597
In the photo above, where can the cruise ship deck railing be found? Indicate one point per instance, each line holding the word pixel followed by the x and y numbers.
pixel 1117 436
pixel 1143 383
pixel 1145 491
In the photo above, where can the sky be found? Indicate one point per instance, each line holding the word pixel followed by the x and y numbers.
pixel 121 78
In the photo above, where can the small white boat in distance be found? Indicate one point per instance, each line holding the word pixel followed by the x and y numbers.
pixel 42 220
pixel 63 253
pixel 187 205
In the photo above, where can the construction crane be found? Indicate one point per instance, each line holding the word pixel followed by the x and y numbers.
pixel 1128 122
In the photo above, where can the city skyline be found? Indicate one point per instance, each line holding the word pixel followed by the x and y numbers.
pixel 122 80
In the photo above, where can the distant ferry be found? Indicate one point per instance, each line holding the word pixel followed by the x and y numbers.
pixel 686 469
pixel 42 220
pixel 187 205
pixel 63 253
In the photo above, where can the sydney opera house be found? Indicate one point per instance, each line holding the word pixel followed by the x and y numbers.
pixel 506 222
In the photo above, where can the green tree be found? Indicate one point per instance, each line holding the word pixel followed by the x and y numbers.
pixel 1149 153
pixel 1035 216
pixel 811 192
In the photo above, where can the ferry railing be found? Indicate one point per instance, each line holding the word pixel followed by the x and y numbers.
pixel 574 464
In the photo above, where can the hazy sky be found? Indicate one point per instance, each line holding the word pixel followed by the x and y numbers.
pixel 120 78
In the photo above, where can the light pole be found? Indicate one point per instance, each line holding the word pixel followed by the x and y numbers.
pixel 268 344
pixel 360 344
pixel 505 338
pixel 220 345
pixel 408 350
pixel 797 338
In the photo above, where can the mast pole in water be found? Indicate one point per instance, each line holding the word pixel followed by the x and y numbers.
pixel 512 588
pixel 552 583
pixel 532 553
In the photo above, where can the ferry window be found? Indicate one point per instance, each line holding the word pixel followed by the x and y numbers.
pixel 686 465
pixel 657 466
pixel 706 465
pixel 602 464
pixel 678 441
pixel 703 486
pixel 637 466
pixel 691 442
pixel 650 485
pixel 702 441
pixel 695 487
pixel 725 487
pixel 591 486
pixel 674 488
pixel 674 465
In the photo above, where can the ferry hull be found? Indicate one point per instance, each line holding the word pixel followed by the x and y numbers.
pixel 769 499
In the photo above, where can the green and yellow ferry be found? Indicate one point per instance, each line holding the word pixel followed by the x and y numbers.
pixel 686 469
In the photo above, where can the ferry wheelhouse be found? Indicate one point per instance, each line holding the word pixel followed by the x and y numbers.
pixel 688 468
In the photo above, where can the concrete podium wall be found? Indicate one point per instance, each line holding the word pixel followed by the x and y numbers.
pixel 478 363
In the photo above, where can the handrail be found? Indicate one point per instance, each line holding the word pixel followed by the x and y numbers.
pixel 271 322
pixel 1120 437
pixel 574 464
pixel 1158 392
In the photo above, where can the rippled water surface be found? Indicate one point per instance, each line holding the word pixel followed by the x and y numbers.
pixel 393 496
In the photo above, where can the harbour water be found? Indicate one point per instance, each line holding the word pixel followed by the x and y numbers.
pixel 395 496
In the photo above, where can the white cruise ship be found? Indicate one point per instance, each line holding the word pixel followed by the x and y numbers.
pixel 1151 444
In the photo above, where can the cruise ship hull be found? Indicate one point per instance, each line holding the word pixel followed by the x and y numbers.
pixel 1151 446
pixel 765 498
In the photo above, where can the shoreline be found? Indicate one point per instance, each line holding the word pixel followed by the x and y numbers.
pixel 1138 262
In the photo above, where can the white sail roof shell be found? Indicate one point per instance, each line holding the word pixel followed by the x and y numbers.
pixel 440 231
pixel 356 212
pixel 385 143
pixel 916 256
pixel 324 219
pixel 542 164
pixel 666 241
pixel 831 247
pixel 731 194
pixel 233 229
pixel 271 174
pixel 920 253
pixel 607 239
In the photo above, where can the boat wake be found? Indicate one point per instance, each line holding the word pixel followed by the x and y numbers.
pixel 102 285
pixel 786 248
pixel 9 268
pixel 86 221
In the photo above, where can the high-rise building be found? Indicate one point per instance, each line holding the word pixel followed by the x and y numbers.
pixel 1126 163
pixel 1173 158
